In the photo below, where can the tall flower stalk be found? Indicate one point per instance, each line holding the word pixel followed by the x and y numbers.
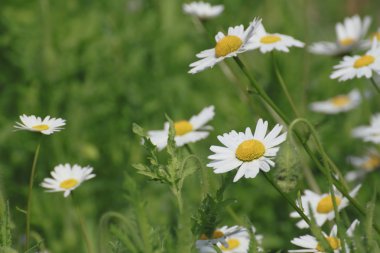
pixel 30 190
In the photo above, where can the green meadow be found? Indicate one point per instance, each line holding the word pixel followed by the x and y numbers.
pixel 105 65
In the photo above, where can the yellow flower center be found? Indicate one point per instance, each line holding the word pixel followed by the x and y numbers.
pixel 250 150
pixel 40 127
pixel 333 241
pixel 376 35
pixel 217 234
pixel 227 45
pixel 372 163
pixel 269 39
pixel 340 101
pixel 182 127
pixel 69 183
pixel 347 42
pixel 326 205
pixel 363 61
pixel 232 244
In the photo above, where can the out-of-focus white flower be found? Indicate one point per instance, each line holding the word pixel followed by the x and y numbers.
pixel 364 165
pixel 337 104
pixel 310 243
pixel 203 10
pixel 322 206
pixel 350 36
pixel 369 133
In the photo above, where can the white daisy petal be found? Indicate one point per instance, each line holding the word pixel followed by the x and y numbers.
pixel 67 178
pixel 247 151
pixel 46 126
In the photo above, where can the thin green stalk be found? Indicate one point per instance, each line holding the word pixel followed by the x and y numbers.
pixel 283 85
pixel 260 90
pixel 286 197
pixel 29 204
pixel 375 85
pixel 83 228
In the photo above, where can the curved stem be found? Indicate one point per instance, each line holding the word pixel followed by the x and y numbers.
pixel 29 204
pixel 283 86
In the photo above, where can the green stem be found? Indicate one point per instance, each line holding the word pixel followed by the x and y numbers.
pixel 260 90
pixel 83 228
pixel 375 85
pixel 29 204
pixel 286 197
pixel 283 86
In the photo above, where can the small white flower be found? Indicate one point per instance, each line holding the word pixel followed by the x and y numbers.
pixel 369 133
pixel 337 104
pixel 186 131
pixel 364 165
pixel 203 10
pixel 67 178
pixel 310 243
pixel 322 206
pixel 233 239
pixel 358 66
pixel 235 42
pixel 247 152
pixel 268 42
pixel 237 242
pixel 36 124
pixel 350 36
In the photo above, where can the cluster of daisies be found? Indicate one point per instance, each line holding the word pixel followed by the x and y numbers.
pixel 249 152
pixel 64 177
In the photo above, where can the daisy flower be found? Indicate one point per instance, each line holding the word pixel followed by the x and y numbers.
pixel 358 66
pixel 268 42
pixel 186 131
pixel 237 242
pixel 67 178
pixel 369 133
pixel 202 10
pixel 235 42
pixel 36 124
pixel 310 243
pixel 366 164
pixel 337 104
pixel 248 152
pixel 322 206
pixel 350 36
pixel 234 239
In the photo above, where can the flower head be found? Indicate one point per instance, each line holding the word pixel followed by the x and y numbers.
pixel 310 243
pixel 248 152
pixel 235 42
pixel 364 165
pixel 36 124
pixel 358 65
pixel 369 133
pixel 322 207
pixel 186 130
pixel 233 239
pixel 268 42
pixel 337 104
pixel 67 178
pixel 203 10
pixel 350 36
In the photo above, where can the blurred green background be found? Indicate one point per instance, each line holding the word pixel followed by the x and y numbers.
pixel 103 65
